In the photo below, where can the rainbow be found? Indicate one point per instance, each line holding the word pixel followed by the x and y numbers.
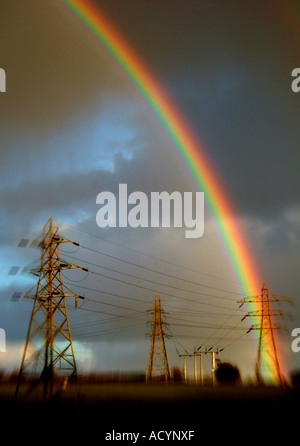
pixel 186 148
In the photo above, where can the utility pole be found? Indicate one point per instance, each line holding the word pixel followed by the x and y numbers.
pixel 197 354
pixel 188 355
pixel 48 347
pixel 267 350
pixel 157 361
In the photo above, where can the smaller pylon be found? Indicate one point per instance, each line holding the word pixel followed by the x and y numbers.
pixel 158 362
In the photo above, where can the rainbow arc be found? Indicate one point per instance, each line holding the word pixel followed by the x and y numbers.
pixel 185 146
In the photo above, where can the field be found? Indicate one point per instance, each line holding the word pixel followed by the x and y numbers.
pixel 81 411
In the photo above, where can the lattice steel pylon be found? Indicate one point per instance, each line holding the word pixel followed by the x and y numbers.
pixel 157 362
pixel 48 350
pixel 267 354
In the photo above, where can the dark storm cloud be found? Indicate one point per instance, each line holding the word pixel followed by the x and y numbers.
pixel 51 68
pixel 283 235
pixel 150 169
pixel 228 66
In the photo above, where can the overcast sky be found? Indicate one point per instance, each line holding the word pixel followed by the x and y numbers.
pixel 71 128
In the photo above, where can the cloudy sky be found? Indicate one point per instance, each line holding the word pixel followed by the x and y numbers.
pixel 71 127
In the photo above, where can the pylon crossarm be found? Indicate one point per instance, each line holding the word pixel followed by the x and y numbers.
pixel 248 299
pixel 72 294
pixel 265 327
pixel 58 239
pixel 67 265
pixel 281 298
pixel 259 313
pixel 257 299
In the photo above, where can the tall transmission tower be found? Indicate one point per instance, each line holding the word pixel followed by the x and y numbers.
pixel 157 361
pixel 48 350
pixel 267 354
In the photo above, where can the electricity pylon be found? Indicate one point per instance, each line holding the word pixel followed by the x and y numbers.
pixel 267 351
pixel 48 347
pixel 157 361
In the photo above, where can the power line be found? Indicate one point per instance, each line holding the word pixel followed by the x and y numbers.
pixel 159 291
pixel 189 320
pixel 112 305
pixel 234 340
pixel 104 312
pixel 203 326
pixel 151 270
pixel 151 281
pixel 109 332
pixel 155 257
pixel 108 293
pixel 229 331
pixel 222 325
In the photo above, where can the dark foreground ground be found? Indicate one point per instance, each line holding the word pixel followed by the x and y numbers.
pixel 86 414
